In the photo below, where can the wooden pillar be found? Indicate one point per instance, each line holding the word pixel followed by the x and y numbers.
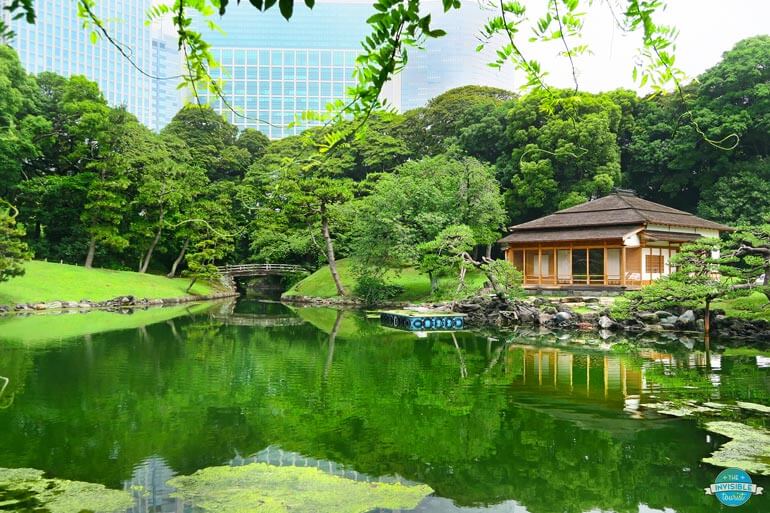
pixel 588 266
pixel 623 267
pixel 539 265
pixel 605 262
pixel 571 270
pixel 524 265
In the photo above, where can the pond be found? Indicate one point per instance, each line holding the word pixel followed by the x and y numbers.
pixel 345 410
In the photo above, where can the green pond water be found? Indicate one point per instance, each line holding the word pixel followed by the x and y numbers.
pixel 353 417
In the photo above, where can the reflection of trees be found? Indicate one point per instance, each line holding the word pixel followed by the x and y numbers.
pixel 396 405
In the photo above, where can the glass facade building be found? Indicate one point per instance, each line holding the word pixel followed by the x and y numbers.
pixel 58 42
pixel 273 69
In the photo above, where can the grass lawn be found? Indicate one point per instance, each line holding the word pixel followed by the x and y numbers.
pixel 415 285
pixel 46 281
pixel 753 306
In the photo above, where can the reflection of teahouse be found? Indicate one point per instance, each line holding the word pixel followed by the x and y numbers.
pixel 619 240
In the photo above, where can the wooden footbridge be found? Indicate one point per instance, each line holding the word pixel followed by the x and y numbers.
pixel 247 270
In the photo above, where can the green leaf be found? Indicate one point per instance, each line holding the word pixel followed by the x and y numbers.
pixel 257 4
pixel 269 4
pixel 287 8
pixel 222 7
pixel 94 37
pixel 310 3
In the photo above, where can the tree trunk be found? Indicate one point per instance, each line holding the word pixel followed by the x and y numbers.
pixel 332 339
pixel 155 240
pixel 330 252
pixel 489 251
pixel 766 281
pixel 499 290
pixel 178 260
pixel 91 251
pixel 190 286
pixel 433 282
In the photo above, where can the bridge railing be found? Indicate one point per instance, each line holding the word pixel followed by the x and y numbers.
pixel 260 268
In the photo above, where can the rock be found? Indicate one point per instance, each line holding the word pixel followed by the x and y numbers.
pixel 53 305
pixel 686 320
pixel 544 318
pixel 589 316
pixel 700 325
pixel 550 310
pixel 571 299
pixel 647 317
pixel 561 307
pixel 69 304
pixel 606 323
pixel 591 300
pixel 4 308
pixel 84 304
pixel 39 306
pixel 662 314
pixel 562 317
pixel 20 307
pixel 753 407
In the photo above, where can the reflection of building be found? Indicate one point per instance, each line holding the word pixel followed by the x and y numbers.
pixel 149 488
pixel 601 377
pixel 619 240
pixel 58 42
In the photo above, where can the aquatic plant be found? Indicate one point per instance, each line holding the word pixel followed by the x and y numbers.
pixel 263 488
pixel 26 489
pixel 749 448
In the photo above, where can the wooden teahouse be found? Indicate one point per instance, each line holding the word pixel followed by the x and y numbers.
pixel 616 241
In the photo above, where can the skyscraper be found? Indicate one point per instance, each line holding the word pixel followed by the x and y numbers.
pixel 58 42
pixel 274 69
pixel 452 60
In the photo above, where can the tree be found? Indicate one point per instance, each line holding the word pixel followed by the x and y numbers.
pixel 751 244
pixel 211 140
pixel 19 122
pixel 13 250
pixel 412 205
pixel 106 199
pixel 560 153
pixel 253 141
pixel 290 187
pixel 444 254
pixel 741 197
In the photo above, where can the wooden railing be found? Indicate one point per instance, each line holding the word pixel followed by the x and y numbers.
pixel 257 269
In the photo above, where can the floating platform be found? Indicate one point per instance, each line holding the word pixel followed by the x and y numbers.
pixel 422 321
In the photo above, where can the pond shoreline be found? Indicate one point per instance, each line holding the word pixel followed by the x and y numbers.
pixel 116 304
pixel 569 312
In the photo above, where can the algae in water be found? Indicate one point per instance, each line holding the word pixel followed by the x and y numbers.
pixel 749 448
pixel 26 489
pixel 263 488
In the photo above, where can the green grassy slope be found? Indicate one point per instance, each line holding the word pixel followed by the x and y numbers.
pixel 45 281
pixel 416 285
pixel 753 306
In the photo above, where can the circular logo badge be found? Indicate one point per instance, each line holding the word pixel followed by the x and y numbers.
pixel 732 487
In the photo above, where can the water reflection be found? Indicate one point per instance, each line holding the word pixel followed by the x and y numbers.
pixel 534 422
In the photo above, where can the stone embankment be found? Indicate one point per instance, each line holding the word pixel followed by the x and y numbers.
pixel 594 313
pixel 119 303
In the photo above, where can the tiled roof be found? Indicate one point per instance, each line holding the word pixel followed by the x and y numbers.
pixel 574 234
pixel 618 208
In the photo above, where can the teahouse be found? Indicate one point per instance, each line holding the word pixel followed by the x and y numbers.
pixel 619 240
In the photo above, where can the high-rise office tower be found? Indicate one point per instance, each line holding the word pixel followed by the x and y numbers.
pixel 274 69
pixel 452 60
pixel 58 42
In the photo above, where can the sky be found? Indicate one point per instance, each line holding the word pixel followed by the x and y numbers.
pixel 707 28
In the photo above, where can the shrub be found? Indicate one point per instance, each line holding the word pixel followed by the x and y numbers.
pixel 507 276
pixel 373 290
